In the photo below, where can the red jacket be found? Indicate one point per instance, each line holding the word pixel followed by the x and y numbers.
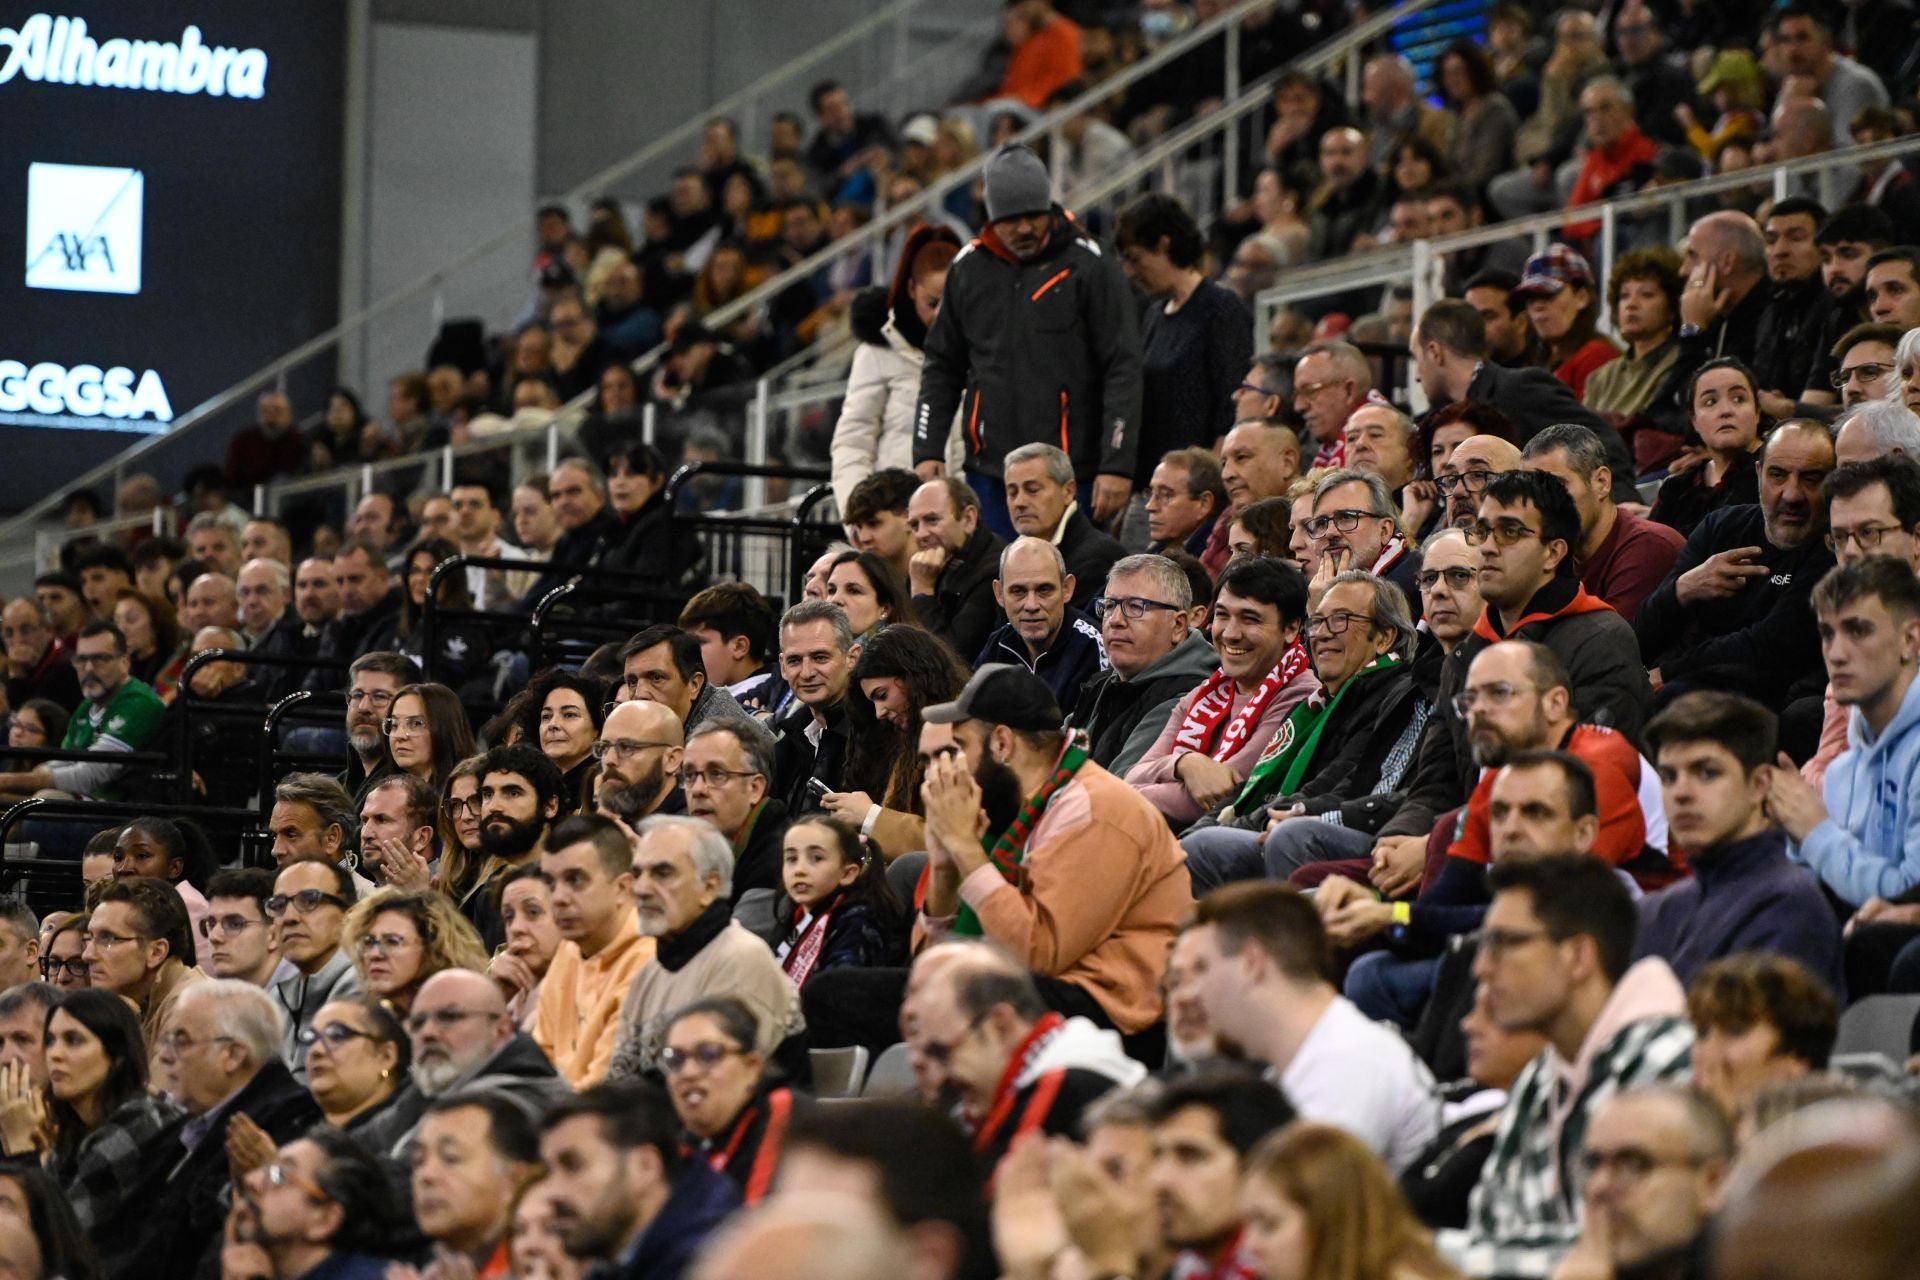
pixel 1603 170
pixel 1047 59
pixel 1622 784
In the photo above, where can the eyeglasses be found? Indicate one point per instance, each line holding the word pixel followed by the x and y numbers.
pixel 445 1019
pixel 1630 1164
pixel 1313 388
pixel 413 726
pixel 1473 481
pixel 94 659
pixel 940 1053
pixel 624 748
pixel 107 941
pixel 1867 536
pixel 1494 695
pixel 383 943
pixel 278 1175
pixel 714 777
pixel 335 1035
pixel 708 1054
pixel 373 698
pixel 25 726
pixel 178 1042
pixel 227 925
pixel 1495 943
pixel 1256 389
pixel 1132 608
pixel 1839 378
pixel 470 806
pixel 1336 623
pixel 307 901
pixel 1504 532
pixel 73 967
pixel 1345 521
pixel 1458 577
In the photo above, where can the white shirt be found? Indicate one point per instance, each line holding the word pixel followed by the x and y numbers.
pixel 1360 1075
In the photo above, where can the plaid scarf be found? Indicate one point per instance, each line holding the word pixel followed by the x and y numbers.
pixel 1007 852
pixel 1201 730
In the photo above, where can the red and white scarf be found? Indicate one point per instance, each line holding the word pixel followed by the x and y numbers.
pixel 806 949
pixel 1390 554
pixel 1214 698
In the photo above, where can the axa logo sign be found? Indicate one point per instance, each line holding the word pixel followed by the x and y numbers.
pixel 61 50
pixel 84 227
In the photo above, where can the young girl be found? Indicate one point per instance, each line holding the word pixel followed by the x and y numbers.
pixel 843 911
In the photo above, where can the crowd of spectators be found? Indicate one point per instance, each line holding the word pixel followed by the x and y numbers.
pixel 1267 832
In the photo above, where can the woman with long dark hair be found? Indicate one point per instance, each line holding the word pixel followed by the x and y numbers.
pixel 65 1251
pixel 460 856
pixel 111 1139
pixel 1722 469
pixel 563 718
pixel 870 592
pixel 902 671
pixel 154 640
pixel 427 732
pixel 1469 86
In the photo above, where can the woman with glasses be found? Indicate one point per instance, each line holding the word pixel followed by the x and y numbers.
pixel 869 591
pixel 1722 469
pixel 901 671
pixel 400 939
pixel 460 651
pixel 427 732
pixel 64 937
pixel 35 723
pixel 155 642
pixel 520 965
pixel 460 856
pixel 736 1114
pixel 357 1055
pixel 1317 1205
pixel 563 716
pixel 112 1139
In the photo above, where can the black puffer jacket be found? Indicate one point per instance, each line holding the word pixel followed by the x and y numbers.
pixel 1044 351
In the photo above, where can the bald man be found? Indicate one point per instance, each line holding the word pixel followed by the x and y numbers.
pixel 212 601
pixel 1466 471
pixel 462 1038
pixel 640 747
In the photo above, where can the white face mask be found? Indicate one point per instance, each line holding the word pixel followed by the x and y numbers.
pixel 1158 24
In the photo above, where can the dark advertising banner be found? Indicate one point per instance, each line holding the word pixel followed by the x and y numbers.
pixel 170 184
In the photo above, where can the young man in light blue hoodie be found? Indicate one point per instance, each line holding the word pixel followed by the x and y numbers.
pixel 1864 840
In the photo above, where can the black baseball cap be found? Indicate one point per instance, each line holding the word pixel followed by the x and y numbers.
pixel 1001 693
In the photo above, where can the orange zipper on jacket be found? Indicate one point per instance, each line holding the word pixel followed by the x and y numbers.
pixel 973 422
pixel 1062 274
pixel 1063 423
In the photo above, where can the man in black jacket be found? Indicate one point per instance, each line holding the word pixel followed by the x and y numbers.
pixel 1041 504
pixel 1037 341
pixel 1735 612
pixel 1450 359
pixel 587 525
pixel 1044 633
pixel 817 653
pixel 1798 305
pixel 1721 308
pixel 221 1054
pixel 369 618
pixel 952 572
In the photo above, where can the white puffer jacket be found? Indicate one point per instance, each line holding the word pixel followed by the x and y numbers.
pixel 875 430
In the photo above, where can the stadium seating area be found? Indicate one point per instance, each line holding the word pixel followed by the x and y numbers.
pixel 1163 772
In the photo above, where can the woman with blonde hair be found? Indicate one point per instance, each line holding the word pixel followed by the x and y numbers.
pixel 1317 1205
pixel 398 939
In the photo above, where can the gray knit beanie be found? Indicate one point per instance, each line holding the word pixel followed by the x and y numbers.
pixel 1017 183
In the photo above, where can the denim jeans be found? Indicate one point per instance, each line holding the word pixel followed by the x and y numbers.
pixel 1388 988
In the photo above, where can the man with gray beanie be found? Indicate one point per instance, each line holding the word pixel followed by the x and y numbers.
pixel 1037 342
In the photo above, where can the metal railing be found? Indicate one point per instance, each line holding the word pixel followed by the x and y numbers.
pixel 890 28
pixel 1422 263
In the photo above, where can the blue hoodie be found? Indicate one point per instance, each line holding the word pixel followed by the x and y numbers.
pixel 1869 845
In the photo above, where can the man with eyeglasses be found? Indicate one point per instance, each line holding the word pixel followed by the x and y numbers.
pixel 639 751
pixel 1734 612
pixel 1556 958
pixel 220 1053
pixel 1656 1159
pixel 1155 661
pixel 140 946
pixel 1356 526
pixel 1525 534
pixel 326 1206
pixel 589 861
pixel 372 681
pixel 1013 1065
pixel 682 869
pixel 1330 381
pixel 1870 508
pixel 951 575
pixel 309 907
pixel 1622 555
pixel 121 713
pixel 1185 497
pixel 1208 745
pixel 238 937
pixel 1867 368
pixel 727 776
pixel 1463 477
